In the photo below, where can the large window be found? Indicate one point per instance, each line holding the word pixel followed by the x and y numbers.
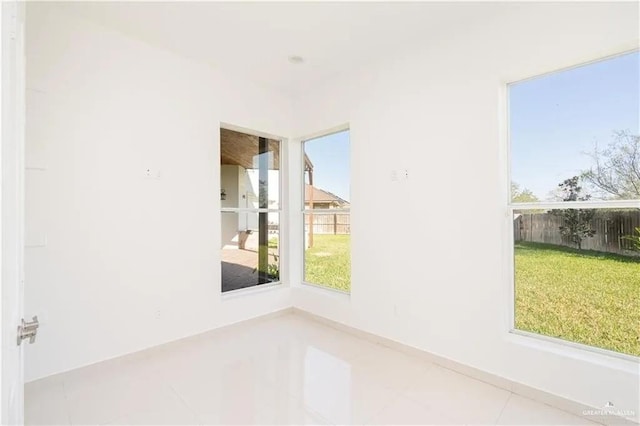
pixel 327 222
pixel 250 202
pixel 575 204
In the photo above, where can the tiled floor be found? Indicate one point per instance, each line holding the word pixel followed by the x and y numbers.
pixel 283 370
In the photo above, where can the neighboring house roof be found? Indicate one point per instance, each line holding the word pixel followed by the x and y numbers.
pixel 321 196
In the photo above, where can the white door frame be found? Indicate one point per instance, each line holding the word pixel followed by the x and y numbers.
pixel 12 107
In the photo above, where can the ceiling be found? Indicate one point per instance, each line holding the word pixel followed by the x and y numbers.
pixel 254 40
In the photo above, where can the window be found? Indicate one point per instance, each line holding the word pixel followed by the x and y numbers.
pixel 575 204
pixel 327 222
pixel 250 202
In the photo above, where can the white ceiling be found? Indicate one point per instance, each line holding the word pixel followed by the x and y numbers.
pixel 254 40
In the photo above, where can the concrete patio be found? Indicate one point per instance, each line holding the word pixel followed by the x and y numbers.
pixel 239 265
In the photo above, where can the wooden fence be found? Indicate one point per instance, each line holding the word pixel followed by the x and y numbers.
pixel 610 229
pixel 329 223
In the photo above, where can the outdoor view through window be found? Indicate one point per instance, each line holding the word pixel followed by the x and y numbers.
pixel 327 222
pixel 250 203
pixel 574 138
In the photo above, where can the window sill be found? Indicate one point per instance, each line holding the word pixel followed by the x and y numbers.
pixel 248 291
pixel 604 357
pixel 326 290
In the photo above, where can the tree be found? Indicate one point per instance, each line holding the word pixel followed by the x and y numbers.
pixel 616 169
pixel 522 196
pixel 576 223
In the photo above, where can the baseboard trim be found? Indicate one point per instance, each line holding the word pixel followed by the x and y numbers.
pixel 555 401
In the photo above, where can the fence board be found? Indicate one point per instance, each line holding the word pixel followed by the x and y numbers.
pixel 610 227
pixel 329 223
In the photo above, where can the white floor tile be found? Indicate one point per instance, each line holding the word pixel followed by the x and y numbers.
pixel 285 370
pixel 465 400
pixel 405 411
pixel 230 396
pixel 285 410
pixel 524 411
pixel 345 398
pixel 390 368
pixel 173 413
pixel 45 403
pixel 114 398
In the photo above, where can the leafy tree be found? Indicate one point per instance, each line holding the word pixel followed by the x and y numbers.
pixel 616 169
pixel 576 223
pixel 522 196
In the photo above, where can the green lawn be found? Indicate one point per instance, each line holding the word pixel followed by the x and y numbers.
pixel 580 296
pixel 328 262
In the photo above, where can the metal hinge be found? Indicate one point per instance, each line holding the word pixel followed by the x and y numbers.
pixel 28 330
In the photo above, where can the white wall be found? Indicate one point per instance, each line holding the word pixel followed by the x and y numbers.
pixel 117 262
pixel 109 249
pixel 437 111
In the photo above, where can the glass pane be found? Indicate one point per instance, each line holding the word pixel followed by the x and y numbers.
pixel 327 172
pixel 250 249
pixel 577 276
pixel 584 123
pixel 249 171
pixel 327 256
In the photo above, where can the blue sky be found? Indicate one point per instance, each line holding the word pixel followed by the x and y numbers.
pixel 556 118
pixel 330 156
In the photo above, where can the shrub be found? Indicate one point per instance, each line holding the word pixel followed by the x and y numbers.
pixel 634 239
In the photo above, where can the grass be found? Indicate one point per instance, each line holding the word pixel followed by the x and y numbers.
pixel 328 262
pixel 581 296
pixel 273 242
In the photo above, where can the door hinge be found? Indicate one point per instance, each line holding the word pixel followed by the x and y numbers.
pixel 28 330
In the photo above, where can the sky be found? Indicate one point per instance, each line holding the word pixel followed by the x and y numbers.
pixel 557 118
pixel 331 159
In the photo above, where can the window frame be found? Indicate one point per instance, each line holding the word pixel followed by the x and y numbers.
pixel 523 336
pixel 281 211
pixel 305 211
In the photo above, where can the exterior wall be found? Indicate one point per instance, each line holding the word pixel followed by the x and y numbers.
pixel 231 181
